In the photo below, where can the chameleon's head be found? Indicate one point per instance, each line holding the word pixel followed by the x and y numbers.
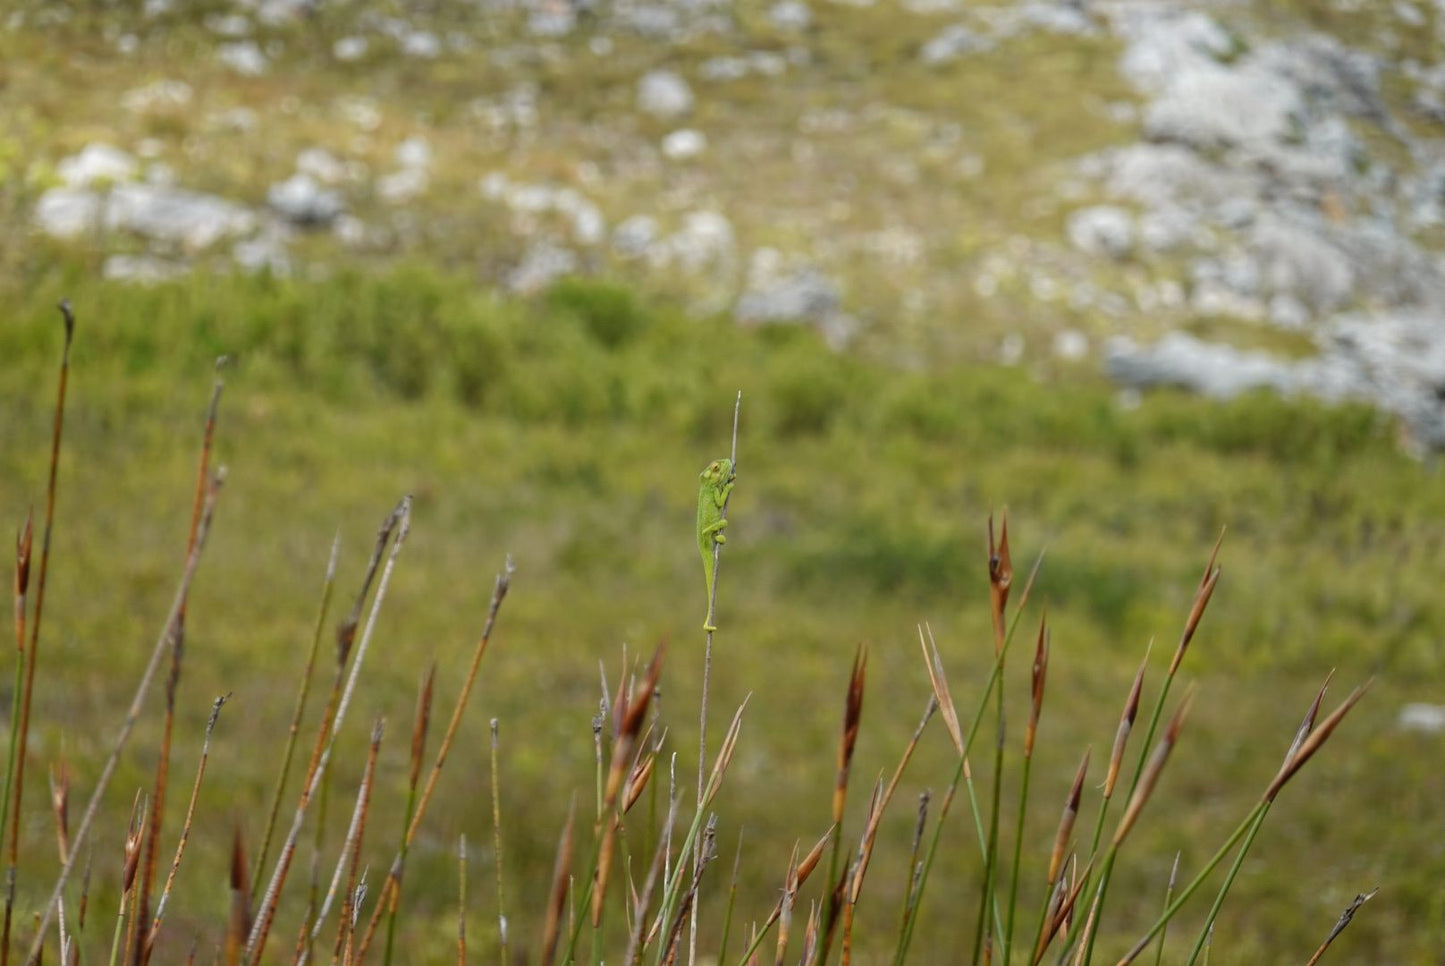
pixel 718 472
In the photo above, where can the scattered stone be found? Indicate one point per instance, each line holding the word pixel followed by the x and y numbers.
pixel 705 239
pixel 302 201
pixel 97 163
pixel 635 236
pixel 158 95
pixel 684 144
pixel 414 152
pixel 402 186
pixel 790 15
pixel 1426 718
pixel 543 264
pixel 349 49
pixel 143 269
pixel 264 253
pixel 188 220
pixel 664 94
pixel 321 165
pixel 421 43
pixel 229 25
pixel 243 57
pixel 1071 345
pixel 1102 230
pixel 67 213
pixel 952 43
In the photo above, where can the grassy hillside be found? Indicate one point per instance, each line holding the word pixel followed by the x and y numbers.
pixel 567 431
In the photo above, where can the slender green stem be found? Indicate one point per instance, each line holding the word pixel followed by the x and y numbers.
pixel 1198 880
pixel 1168 895
pixel 1229 877
pixel 1018 853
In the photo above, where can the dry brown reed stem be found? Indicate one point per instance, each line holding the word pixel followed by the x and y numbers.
pixel 303 692
pixel 24 538
pixel 499 593
pixel 1062 916
pixel 400 519
pixel 56 431
pixel 785 905
pixel 1000 579
pixel 186 826
pixel 1313 742
pixel 138 953
pixel 810 934
pixel 1196 609
pixel 1126 724
pixel 557 897
pixel 631 716
pixel 132 713
pixel 643 904
pixel 1067 819
pixel 1340 924
pixel 1153 769
pixel 239 925
pixel 939 682
pixel 462 902
pixel 350 858
pixel 847 742
pixel 60 807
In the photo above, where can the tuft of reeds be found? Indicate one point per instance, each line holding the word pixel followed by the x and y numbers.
pixel 813 914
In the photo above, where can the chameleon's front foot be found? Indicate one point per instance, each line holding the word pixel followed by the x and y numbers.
pixel 709 627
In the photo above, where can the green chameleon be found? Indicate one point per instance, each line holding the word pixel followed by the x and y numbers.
pixel 712 495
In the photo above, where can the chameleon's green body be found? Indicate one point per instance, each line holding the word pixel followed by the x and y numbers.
pixel 712 496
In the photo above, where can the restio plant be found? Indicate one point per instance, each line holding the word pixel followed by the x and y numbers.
pixel 633 862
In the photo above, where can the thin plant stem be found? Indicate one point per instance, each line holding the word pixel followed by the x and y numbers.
pixel 255 942
pixel 497 849
pixel 707 670
pixel 132 715
pixel 499 593
pixel 418 748
pixel 327 585
pixel 186 826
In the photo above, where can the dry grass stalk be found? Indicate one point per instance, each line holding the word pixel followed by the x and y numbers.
pixel 1314 741
pixel 462 903
pixel 351 847
pixel 644 901
pixel 557 898
pixel 497 847
pixel 1340 924
pixel 499 593
pixel 400 518
pixel 132 714
pixel 60 807
pixel 240 922
pixel 785 906
pixel 303 692
pixel 631 716
pixel 185 827
pixel 1153 769
pixel 1126 725
pixel 1000 579
pixel 1196 609
pixel 20 731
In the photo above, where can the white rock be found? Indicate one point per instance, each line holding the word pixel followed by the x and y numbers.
pixel 543 264
pixel 350 48
pixel 302 201
pixel 1429 718
pixel 144 269
pixel 95 163
pixel 635 236
pixel 157 95
pixel 67 212
pixel 664 94
pixel 791 15
pixel 414 152
pixel 1071 345
pixel 1102 230
pixel 243 57
pixel 421 44
pixel 187 219
pixel 684 144
pixel 321 165
pixel 402 185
